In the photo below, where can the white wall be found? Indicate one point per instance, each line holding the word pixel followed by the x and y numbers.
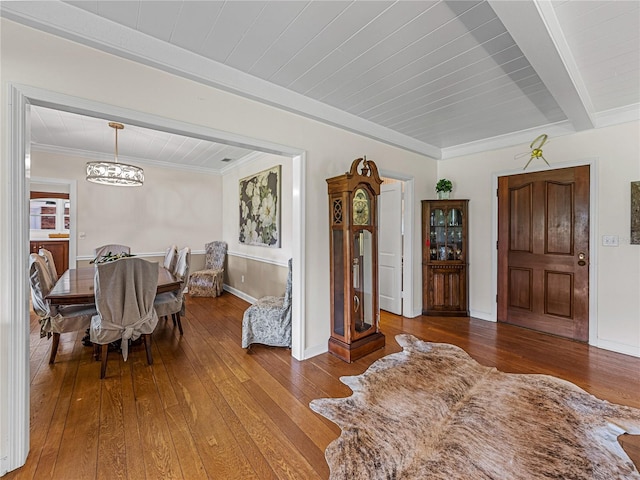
pixel 231 213
pixel 34 58
pixel 172 207
pixel 616 154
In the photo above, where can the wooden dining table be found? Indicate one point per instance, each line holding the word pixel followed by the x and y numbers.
pixel 75 286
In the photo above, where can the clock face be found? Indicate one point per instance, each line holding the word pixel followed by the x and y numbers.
pixel 360 208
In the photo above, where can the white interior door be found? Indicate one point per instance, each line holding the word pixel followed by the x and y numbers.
pixel 390 247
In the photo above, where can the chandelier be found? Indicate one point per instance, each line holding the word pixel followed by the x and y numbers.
pixel 115 173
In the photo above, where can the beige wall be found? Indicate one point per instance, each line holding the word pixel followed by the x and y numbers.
pixel 262 267
pixel 616 152
pixel 172 207
pixel 34 58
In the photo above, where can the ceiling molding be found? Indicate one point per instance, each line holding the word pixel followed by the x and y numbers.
pixel 90 155
pixel 524 138
pixel 80 26
pixel 628 113
pixel 535 29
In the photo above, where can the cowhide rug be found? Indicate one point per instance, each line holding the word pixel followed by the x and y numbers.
pixel 432 412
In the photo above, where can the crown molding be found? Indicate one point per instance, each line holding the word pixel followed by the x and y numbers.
pixel 90 155
pixel 615 116
pixel 508 140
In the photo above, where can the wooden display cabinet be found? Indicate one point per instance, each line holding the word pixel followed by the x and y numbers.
pixel 58 248
pixel 353 212
pixel 445 250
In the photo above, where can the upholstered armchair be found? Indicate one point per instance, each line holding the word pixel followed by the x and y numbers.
pixel 268 321
pixel 208 282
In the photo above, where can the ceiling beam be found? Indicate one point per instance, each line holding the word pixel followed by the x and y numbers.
pixel 536 30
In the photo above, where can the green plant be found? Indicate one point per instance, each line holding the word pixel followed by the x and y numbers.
pixel 444 185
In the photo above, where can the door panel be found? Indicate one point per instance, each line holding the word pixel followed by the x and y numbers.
pixel 543 247
pixel 390 247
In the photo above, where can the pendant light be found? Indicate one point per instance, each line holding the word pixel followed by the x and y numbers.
pixel 115 173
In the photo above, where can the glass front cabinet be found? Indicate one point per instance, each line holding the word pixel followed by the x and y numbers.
pixel 445 249
pixel 353 224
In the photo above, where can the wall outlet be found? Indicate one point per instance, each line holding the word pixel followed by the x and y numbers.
pixel 610 240
pixel 242 279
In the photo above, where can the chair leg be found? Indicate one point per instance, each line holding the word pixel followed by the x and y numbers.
pixel 147 346
pixel 176 319
pixel 103 366
pixel 54 347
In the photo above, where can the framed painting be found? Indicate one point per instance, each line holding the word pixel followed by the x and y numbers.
pixel 635 213
pixel 260 208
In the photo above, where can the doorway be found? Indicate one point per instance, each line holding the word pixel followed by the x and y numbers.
pixel 543 251
pixel 14 275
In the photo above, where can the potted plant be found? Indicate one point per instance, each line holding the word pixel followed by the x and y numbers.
pixel 443 188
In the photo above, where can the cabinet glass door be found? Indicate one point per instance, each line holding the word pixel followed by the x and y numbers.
pixel 445 234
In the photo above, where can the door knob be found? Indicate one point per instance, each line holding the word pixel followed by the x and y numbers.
pixel 581 257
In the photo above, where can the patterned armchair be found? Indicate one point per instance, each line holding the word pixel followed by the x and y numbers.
pixel 269 320
pixel 208 282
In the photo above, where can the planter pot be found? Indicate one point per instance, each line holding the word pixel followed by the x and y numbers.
pixel 443 195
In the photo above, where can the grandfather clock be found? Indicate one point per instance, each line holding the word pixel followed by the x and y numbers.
pixel 353 213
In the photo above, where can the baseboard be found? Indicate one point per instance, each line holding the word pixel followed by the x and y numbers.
pixel 316 350
pixel 239 294
pixel 632 350
pixel 482 315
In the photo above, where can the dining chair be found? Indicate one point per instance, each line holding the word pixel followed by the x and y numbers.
pixel 172 303
pixel 54 319
pixel 124 290
pixel 268 321
pixel 51 266
pixel 170 258
pixel 113 249
pixel 208 282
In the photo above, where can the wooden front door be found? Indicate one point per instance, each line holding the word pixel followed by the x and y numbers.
pixel 543 251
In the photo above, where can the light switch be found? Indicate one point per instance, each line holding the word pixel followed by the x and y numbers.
pixel 82 235
pixel 610 240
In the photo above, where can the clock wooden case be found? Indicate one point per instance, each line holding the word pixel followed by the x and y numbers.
pixel 353 221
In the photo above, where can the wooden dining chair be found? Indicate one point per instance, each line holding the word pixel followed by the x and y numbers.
pixel 172 303
pixel 51 266
pixel 170 258
pixel 113 249
pixel 54 319
pixel 124 290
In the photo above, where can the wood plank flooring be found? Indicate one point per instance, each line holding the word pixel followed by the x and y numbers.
pixel 207 409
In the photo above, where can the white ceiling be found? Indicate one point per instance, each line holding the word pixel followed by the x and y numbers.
pixel 442 78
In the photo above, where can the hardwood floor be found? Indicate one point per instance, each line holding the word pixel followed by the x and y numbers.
pixel 207 409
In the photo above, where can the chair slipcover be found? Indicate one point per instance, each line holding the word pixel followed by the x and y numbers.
pixel 48 258
pixel 172 303
pixel 170 258
pixel 125 290
pixel 268 321
pixel 54 319
pixel 208 282
pixel 114 249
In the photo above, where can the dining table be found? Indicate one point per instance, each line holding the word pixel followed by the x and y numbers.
pixel 75 286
